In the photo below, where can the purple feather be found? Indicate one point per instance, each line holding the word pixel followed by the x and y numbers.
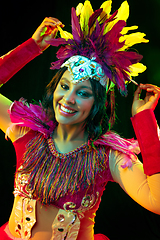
pixel 76 29
pixel 120 81
pixel 113 35
pixel 56 64
pixel 65 52
pixel 56 42
pixel 107 71
pixel 93 17
pixel 112 17
pixel 32 116
pixel 132 56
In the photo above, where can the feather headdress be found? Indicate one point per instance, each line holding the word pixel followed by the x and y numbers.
pixel 103 37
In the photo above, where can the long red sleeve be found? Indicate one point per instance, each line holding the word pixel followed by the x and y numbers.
pixel 13 61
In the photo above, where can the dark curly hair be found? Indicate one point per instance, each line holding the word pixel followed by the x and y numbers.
pixel 102 115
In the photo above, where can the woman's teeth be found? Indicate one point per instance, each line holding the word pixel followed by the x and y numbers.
pixel 66 110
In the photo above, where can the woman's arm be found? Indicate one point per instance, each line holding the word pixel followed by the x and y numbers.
pixel 145 127
pixel 12 62
pixel 142 181
pixel 143 189
pixel 5 121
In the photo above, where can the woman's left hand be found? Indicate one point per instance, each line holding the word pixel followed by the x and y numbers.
pixel 46 31
pixel 149 102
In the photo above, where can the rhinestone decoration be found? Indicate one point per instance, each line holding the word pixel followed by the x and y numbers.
pixel 82 68
pixel 61 218
pixel 29 208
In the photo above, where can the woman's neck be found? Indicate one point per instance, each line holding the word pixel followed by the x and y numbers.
pixel 68 138
pixel 68 133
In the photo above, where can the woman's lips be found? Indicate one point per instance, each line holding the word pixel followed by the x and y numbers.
pixel 65 110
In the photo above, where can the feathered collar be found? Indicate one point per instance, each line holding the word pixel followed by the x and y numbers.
pixel 53 174
pixel 35 117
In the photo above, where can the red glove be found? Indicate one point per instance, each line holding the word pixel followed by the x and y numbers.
pixel 145 127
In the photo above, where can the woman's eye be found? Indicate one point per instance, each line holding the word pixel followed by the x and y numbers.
pixel 64 86
pixel 84 94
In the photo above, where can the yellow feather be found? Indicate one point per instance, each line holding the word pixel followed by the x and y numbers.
pixel 123 14
pixel 133 38
pixel 107 5
pixel 123 11
pixel 86 12
pixel 79 9
pixel 126 29
pixel 64 34
pixel 136 69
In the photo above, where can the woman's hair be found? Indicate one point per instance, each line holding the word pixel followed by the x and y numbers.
pixel 50 88
pixel 102 115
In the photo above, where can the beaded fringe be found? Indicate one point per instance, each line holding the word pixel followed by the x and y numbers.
pixel 53 174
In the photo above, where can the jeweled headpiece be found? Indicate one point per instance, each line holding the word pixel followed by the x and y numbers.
pixel 100 38
pixel 81 68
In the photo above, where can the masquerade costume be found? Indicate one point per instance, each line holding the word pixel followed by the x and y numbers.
pixel 74 182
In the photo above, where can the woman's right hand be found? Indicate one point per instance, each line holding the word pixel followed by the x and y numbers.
pixel 46 31
pixel 150 101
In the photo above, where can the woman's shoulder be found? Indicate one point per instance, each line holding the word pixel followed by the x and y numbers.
pixel 30 116
pixel 116 143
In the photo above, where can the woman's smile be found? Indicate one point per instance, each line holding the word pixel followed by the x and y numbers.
pixel 66 110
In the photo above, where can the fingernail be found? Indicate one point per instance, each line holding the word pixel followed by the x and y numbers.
pixel 61 24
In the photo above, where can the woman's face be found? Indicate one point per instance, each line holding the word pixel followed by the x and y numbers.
pixel 72 103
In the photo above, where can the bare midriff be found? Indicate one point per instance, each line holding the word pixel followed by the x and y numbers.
pixel 42 229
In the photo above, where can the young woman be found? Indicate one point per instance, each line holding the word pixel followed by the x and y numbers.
pixel 65 151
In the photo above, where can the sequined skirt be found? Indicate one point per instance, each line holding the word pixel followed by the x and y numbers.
pixel 6 235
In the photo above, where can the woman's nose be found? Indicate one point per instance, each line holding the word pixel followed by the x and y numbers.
pixel 69 97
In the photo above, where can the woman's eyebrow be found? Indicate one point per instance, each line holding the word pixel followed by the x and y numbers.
pixel 64 79
pixel 87 87
pixel 83 86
